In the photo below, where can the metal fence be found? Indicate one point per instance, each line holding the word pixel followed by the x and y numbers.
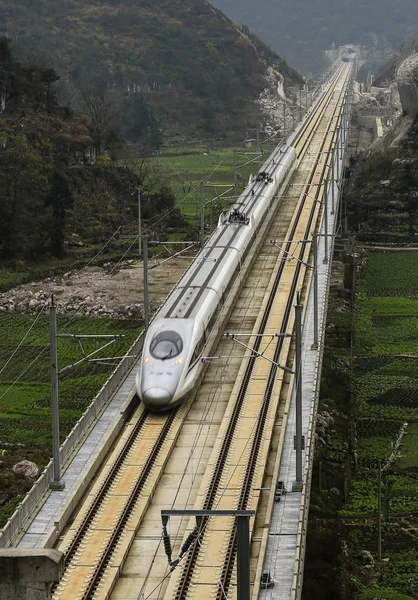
pixel 298 567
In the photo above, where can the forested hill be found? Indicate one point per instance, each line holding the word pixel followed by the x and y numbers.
pixel 181 67
pixel 301 29
pixel 54 188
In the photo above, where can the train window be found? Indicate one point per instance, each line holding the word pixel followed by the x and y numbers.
pixel 166 344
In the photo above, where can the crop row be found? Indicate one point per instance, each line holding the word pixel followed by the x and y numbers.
pixel 24 382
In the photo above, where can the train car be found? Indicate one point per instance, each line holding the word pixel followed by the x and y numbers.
pixel 176 338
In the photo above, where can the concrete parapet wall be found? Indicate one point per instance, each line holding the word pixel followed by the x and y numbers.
pixel 29 574
pixel 374 123
pixel 409 99
pixel 72 503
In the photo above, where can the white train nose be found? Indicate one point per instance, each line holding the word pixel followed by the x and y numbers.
pixel 156 397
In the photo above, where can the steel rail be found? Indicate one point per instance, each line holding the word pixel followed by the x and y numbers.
pixel 118 530
pixel 246 488
pixel 117 467
pixel 102 495
pixel 210 496
pixel 317 115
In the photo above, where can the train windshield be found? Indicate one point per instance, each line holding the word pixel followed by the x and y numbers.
pixel 166 344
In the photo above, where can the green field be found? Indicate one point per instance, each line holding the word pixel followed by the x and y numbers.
pixel 386 365
pixel 25 381
pixel 25 400
pixel 369 404
pixel 391 274
pixel 184 168
pixel 386 386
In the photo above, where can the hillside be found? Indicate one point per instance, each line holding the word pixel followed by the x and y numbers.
pixel 388 71
pixel 300 30
pixel 54 188
pixel 173 69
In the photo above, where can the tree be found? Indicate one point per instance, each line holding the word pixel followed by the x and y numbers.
pixel 100 113
pixel 143 126
pixel 49 77
pixel 5 72
pixel 23 186
pixel 60 198
pixel 158 202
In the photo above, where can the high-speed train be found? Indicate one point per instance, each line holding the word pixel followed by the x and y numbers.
pixel 176 338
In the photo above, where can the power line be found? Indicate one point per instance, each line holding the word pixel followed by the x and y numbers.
pixel 26 369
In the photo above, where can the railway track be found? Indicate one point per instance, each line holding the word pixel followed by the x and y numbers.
pixel 259 397
pixel 119 520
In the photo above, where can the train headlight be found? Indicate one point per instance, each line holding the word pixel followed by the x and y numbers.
pixel 146 359
pixel 180 360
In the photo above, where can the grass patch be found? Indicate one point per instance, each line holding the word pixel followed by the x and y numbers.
pixel 409 455
pixel 382 594
pixel 394 307
pixel 185 167
pixel 392 274
pixel 25 398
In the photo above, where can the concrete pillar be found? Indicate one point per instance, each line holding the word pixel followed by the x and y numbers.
pixel 29 574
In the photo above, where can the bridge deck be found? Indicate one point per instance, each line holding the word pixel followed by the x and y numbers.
pixel 282 539
pixel 96 442
pixel 282 543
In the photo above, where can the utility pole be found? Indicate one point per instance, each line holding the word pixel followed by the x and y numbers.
pixel 235 173
pixel 325 200
pixel 379 512
pixel 242 519
pixel 298 442
pixel 315 278
pixel 337 146
pixel 139 221
pixel 145 267
pixel 56 484
pixel 202 207
pixel 300 103
pixel 284 120
pixel 333 180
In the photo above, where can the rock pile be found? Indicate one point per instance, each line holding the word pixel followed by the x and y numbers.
pixel 32 302
pixel 26 468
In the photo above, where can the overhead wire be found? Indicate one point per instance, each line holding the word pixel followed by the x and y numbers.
pixel 41 352
pixel 224 365
pixel 298 375
pixel 41 310
pixel 217 382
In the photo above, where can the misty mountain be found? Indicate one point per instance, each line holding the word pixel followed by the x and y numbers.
pixel 300 30
pixel 165 68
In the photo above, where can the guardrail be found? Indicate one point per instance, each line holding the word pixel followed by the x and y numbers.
pixel 33 499
pixel 298 567
pixel 36 495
